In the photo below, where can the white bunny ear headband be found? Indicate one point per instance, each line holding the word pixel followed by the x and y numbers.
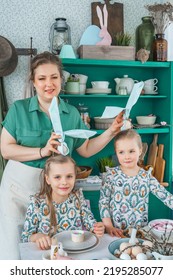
pixel 56 123
pixel 112 111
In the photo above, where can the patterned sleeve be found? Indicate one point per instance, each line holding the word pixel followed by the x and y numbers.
pixel 86 214
pixel 160 192
pixel 31 220
pixel 105 196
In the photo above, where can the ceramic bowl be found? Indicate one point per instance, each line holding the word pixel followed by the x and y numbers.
pixel 157 228
pixel 115 245
pixel 146 120
pixel 101 123
pixel 84 173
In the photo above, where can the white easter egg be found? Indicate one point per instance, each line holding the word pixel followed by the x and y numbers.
pixel 149 255
pixel 141 256
pixel 125 256
pixel 147 243
pixel 136 250
pixel 123 246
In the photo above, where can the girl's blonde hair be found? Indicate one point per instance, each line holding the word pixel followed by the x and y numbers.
pixel 45 58
pixel 128 134
pixel 45 187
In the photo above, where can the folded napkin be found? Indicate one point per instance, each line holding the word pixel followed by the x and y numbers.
pixel 56 123
pixel 113 111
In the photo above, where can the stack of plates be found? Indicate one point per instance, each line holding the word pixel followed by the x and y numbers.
pixel 98 90
pixel 89 243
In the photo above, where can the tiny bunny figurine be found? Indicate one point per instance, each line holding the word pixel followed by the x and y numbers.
pixel 107 40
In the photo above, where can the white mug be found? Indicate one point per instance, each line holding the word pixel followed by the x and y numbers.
pixel 83 78
pixel 150 85
pixel 82 88
pixel 150 82
pixel 150 89
pixel 100 84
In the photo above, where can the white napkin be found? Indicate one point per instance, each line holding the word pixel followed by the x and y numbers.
pixel 80 133
pixel 113 111
pixel 56 122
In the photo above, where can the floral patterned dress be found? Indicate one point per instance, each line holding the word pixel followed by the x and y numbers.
pixel 73 213
pixel 125 199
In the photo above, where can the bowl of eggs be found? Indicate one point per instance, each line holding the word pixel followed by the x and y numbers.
pixel 121 249
pixel 160 228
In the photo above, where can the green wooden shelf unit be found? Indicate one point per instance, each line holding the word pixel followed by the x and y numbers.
pixel 160 105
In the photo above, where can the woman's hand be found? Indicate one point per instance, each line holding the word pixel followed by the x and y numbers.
pixel 43 241
pixel 51 146
pixel 117 124
pixel 99 229
pixel 115 232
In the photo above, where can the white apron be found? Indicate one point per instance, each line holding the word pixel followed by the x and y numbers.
pixel 19 181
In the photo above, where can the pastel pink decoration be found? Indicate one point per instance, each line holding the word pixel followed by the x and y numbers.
pixel 104 34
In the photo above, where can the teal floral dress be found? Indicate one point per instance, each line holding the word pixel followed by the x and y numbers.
pixel 74 213
pixel 125 199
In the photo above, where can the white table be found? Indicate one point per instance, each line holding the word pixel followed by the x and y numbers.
pixel 29 251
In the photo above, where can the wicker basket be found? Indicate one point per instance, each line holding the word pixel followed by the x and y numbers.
pixel 84 173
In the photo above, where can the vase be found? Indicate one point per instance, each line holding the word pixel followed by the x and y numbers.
pixel 145 36
pixel 160 48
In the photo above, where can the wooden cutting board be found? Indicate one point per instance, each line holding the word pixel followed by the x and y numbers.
pixel 152 153
pixel 115 17
pixel 142 156
pixel 160 164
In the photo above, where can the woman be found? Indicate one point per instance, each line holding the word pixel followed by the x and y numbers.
pixel 27 141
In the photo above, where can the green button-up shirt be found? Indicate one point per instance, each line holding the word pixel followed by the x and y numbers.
pixel 32 128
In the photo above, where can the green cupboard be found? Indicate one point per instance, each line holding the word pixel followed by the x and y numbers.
pixel 160 104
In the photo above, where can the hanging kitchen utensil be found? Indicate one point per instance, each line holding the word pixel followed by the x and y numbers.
pixel 160 164
pixel 152 154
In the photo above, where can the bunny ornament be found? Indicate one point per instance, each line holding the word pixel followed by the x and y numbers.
pixel 104 34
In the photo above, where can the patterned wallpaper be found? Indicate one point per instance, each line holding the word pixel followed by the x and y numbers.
pixel 22 19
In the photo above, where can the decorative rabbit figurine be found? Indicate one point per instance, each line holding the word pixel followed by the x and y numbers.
pixel 107 40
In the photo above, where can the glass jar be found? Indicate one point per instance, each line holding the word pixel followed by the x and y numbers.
pixel 145 36
pixel 160 48
pixel 84 112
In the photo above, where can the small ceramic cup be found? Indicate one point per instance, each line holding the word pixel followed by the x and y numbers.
pixel 150 85
pixel 100 84
pixel 72 87
pixel 82 88
pixel 150 89
pixel 83 78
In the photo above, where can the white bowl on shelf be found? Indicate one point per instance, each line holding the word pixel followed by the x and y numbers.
pixel 101 123
pixel 146 120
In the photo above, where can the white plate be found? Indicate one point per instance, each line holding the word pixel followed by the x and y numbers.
pixel 151 93
pixel 98 91
pixel 90 241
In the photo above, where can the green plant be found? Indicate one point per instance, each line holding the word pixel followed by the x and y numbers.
pixel 73 78
pixel 122 39
pixel 103 162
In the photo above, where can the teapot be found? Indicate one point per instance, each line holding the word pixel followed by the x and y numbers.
pixel 124 82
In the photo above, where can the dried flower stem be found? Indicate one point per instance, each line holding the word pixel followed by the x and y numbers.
pixel 162 16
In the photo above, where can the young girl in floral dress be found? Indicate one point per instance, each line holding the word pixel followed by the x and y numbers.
pixel 58 207
pixel 124 197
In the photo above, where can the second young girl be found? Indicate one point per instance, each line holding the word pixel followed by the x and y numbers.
pixel 124 197
pixel 58 207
